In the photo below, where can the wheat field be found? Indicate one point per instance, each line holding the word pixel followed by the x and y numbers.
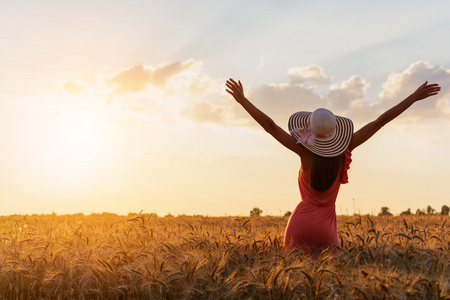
pixel 143 256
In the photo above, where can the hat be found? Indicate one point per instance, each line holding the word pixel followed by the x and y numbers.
pixel 321 131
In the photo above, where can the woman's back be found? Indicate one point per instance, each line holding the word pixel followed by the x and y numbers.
pixel 324 171
pixel 312 224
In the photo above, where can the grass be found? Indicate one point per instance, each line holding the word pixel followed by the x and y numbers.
pixel 143 256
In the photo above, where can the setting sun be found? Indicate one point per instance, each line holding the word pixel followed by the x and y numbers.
pixel 78 135
pixel 70 148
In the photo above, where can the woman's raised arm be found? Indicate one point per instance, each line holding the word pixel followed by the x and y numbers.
pixel 424 91
pixel 236 90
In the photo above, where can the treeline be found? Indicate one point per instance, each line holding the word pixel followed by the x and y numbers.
pixel 419 212
pixel 385 211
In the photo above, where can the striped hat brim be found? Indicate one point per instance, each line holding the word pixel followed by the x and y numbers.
pixel 332 147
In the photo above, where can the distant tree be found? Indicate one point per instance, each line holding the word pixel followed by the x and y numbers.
pixel 430 210
pixel 288 214
pixel 420 212
pixel 406 212
pixel 255 212
pixel 385 211
pixel 445 210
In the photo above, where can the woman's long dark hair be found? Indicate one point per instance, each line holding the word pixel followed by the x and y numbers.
pixel 324 171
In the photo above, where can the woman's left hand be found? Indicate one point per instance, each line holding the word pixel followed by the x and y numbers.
pixel 236 90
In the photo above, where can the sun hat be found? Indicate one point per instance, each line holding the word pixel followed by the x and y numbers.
pixel 321 131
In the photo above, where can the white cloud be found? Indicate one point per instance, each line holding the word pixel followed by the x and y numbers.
pixel 348 94
pixel 312 73
pixel 348 98
pixel 204 112
pixel 281 100
pixel 137 78
pixel 73 87
pixel 400 85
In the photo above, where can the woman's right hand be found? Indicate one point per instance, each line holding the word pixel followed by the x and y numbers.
pixel 425 90
pixel 235 89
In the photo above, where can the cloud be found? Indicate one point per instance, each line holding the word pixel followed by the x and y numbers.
pixel 400 85
pixel 136 79
pixel 348 98
pixel 312 73
pixel 204 112
pixel 281 100
pixel 133 79
pixel 181 91
pixel 343 96
pixel 73 87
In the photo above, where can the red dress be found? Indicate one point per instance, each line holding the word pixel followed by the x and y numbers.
pixel 312 224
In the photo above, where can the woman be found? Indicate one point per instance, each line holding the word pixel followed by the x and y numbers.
pixel 324 143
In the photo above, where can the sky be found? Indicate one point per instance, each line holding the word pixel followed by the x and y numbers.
pixel 120 106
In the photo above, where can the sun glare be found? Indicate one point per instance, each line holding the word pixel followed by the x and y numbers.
pixel 72 149
pixel 82 135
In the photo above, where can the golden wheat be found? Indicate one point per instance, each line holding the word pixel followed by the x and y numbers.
pixel 143 256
